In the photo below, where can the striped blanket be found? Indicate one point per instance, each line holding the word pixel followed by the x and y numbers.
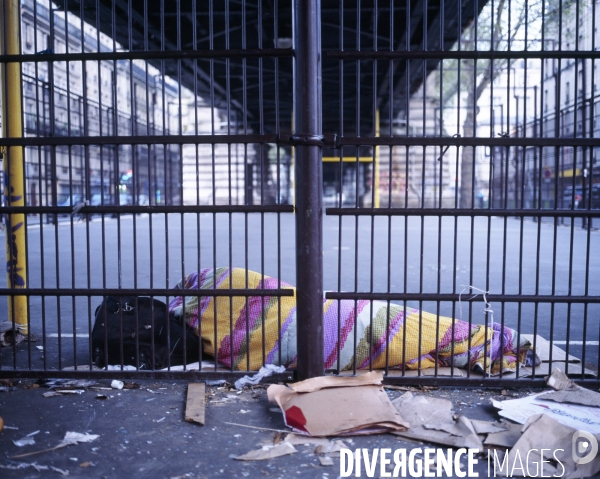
pixel 234 330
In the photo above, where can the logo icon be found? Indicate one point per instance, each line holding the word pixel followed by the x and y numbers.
pixel 585 447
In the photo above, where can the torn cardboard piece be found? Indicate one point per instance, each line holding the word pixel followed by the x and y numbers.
pixel 322 382
pixel 546 443
pixel 486 427
pixel 332 407
pixel 431 420
pixel 507 438
pixel 566 391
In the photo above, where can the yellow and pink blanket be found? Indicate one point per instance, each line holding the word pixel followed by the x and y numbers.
pixel 235 329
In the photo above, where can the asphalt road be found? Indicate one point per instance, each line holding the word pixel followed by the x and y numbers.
pixel 400 255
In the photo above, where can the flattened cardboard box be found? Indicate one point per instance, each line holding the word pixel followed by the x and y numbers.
pixel 329 410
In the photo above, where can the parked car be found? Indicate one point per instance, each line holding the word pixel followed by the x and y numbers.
pixel 69 200
pixel 576 200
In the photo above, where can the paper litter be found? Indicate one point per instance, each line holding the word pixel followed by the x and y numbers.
pixel 70 438
pixel 268 452
pixel 571 407
pixel 264 372
pixel 15 466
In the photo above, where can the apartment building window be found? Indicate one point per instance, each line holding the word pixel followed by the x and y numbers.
pixel 567 93
pixel 28 33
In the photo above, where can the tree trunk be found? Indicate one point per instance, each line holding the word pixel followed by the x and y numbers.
pixel 467 163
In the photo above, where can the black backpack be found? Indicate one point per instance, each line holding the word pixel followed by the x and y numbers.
pixel 125 328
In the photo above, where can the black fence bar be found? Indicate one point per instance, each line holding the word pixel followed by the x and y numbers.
pixel 131 209
pixel 217 139
pixel 88 292
pixel 309 194
pixel 459 55
pixel 465 141
pixel 500 298
pixel 466 212
pixel 204 375
pixel 150 55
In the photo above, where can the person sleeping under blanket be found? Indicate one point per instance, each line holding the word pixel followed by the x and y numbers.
pixel 450 342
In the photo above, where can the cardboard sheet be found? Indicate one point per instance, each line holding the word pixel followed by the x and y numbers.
pixel 543 348
pixel 329 410
pixel 542 434
pixel 571 415
pixel 566 391
pixel 507 438
pixel 322 382
pixel 431 420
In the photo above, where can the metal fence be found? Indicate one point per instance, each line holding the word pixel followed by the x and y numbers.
pixel 399 163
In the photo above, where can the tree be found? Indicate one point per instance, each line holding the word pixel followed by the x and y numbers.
pixel 502 25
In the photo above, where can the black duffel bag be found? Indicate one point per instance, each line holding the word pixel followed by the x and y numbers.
pixel 128 328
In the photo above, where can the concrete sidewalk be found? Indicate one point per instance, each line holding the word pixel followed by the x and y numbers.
pixel 142 432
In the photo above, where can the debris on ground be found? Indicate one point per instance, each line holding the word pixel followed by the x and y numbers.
pixel 542 434
pixel 66 384
pixel 268 452
pixel 195 404
pixel 553 421
pixel 573 408
pixel 431 420
pixel 566 391
pixel 10 336
pixel 506 438
pixel 26 441
pixel 116 384
pixel 336 406
pixel 216 382
pixel 50 394
pixel 15 466
pixel 263 372
pixel 71 438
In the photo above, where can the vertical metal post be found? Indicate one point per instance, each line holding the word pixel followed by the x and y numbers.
pixel 309 189
pixel 14 188
pixel 376 179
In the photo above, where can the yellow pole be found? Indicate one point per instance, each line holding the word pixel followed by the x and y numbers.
pixel 376 163
pixel 14 185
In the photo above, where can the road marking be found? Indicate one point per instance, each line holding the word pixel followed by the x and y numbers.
pixel 67 335
pixel 578 343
